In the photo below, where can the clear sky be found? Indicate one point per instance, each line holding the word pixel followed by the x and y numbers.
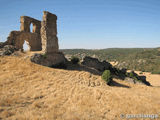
pixel 90 23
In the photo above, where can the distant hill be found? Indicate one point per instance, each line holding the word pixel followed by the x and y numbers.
pixel 143 59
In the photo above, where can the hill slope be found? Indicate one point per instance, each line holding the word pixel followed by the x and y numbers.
pixel 33 92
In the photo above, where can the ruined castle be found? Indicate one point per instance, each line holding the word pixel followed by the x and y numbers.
pixel 42 38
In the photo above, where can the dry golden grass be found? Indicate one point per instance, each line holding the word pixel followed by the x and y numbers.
pixel 33 92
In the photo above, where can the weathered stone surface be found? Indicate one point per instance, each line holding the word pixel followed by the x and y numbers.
pixel 27 21
pixel 33 38
pixel 25 27
pixel 106 65
pixel 130 80
pixel 44 34
pixel 95 63
pixel 132 77
pixel 1 44
pixel 7 50
pixel 17 38
pixel 49 59
pixel 49 33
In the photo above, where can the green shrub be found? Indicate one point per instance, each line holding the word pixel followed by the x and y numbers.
pixel 74 60
pixel 133 75
pixel 44 56
pixel 141 73
pixel 107 77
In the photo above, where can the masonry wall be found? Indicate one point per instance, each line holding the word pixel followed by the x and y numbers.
pixel 43 36
pixel 49 33
pixel 25 27
pixel 27 21
pixel 17 38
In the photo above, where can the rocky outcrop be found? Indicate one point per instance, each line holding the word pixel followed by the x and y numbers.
pixel 132 77
pixel 1 44
pixel 96 64
pixel 7 50
pixel 132 80
pixel 50 60
pixel 51 56
pixel 122 73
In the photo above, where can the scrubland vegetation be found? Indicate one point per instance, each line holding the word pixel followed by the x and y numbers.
pixel 141 59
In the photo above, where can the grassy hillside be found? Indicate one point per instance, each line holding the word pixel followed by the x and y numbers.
pixel 33 92
pixel 143 59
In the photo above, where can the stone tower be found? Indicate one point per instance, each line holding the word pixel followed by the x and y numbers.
pixel 49 33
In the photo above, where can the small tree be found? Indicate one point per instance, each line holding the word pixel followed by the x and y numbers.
pixel 107 77
pixel 74 60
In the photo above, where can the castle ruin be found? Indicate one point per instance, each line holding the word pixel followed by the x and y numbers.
pixel 43 35
pixel 42 38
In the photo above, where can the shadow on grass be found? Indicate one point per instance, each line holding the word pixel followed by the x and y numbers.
pixel 116 84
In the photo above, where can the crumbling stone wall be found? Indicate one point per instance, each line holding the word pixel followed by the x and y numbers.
pixel 27 21
pixel 49 33
pixel 43 36
pixel 17 38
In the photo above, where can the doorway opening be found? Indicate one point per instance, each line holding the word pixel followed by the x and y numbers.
pixel 31 27
pixel 26 46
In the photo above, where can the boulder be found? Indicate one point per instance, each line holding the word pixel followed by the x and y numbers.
pixel 123 70
pixel 7 50
pixel 56 60
pixel 130 80
pixel 143 79
pixel 96 64
pixel 132 77
pixel 1 44
pixel 107 65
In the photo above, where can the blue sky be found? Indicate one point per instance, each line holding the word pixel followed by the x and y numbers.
pixel 91 24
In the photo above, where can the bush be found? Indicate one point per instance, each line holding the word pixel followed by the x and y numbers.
pixel 134 76
pixel 44 56
pixel 106 76
pixel 141 73
pixel 74 60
